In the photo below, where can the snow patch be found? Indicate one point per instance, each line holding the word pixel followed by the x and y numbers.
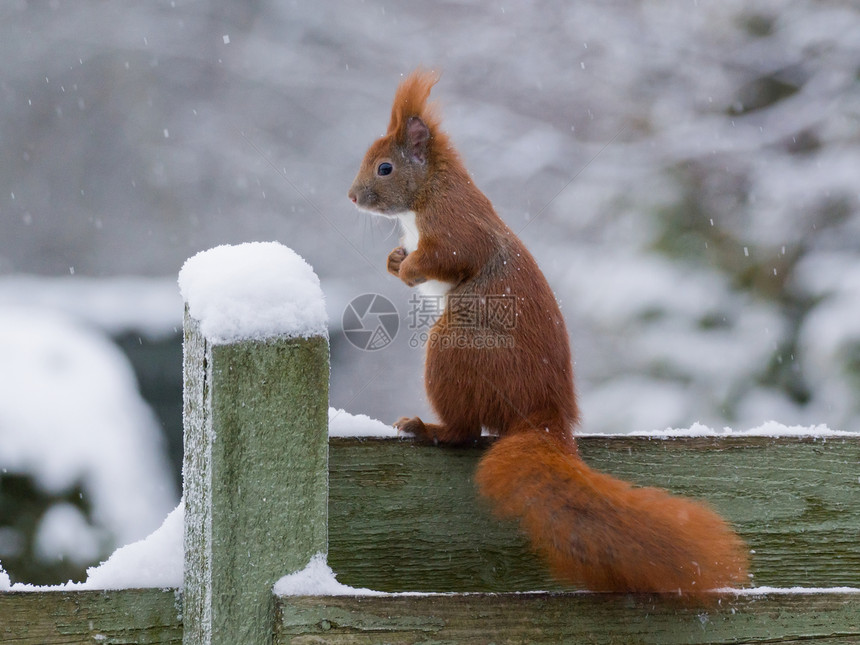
pixel 768 429
pixel 253 291
pixel 155 561
pixel 317 579
pixel 344 424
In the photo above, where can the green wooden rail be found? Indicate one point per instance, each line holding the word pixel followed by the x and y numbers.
pixel 266 490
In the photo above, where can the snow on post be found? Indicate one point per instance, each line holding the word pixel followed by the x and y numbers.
pixel 256 447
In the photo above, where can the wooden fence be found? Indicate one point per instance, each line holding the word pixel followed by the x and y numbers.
pixel 266 489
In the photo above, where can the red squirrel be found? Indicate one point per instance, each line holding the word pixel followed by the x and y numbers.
pixel 498 358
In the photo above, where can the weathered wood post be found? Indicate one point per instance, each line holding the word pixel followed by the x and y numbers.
pixel 256 376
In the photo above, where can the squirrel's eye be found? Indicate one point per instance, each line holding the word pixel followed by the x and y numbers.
pixel 384 168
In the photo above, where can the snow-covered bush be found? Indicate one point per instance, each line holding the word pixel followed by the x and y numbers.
pixel 82 465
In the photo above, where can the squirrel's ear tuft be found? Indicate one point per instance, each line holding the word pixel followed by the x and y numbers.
pixel 417 139
pixel 413 121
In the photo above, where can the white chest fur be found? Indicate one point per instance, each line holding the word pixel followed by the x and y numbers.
pixel 409 238
pixel 408 231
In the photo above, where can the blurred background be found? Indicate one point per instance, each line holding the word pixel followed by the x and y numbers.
pixel 687 175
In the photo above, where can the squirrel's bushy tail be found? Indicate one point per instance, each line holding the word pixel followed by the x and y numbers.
pixel 603 533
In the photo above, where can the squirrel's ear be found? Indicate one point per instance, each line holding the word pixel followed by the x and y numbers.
pixel 417 139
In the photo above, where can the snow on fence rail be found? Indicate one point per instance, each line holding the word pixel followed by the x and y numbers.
pixel 267 491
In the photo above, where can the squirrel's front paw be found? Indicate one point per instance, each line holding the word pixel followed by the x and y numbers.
pixel 395 258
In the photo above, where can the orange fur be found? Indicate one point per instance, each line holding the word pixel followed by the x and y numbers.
pixel 411 100
pixel 591 528
pixel 603 533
